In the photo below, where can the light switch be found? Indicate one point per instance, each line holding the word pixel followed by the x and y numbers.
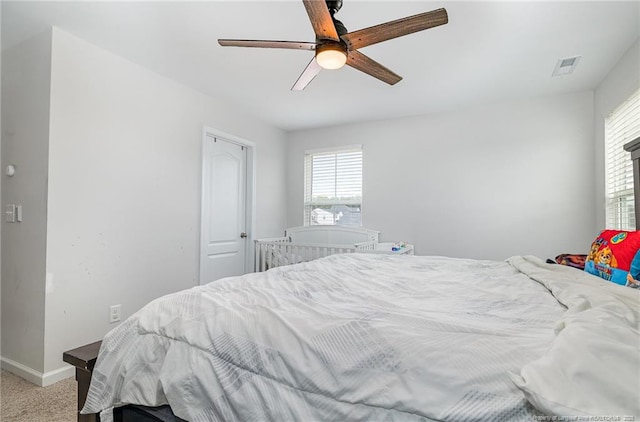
pixel 10 213
pixel 19 213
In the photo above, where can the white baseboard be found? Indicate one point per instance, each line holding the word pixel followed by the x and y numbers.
pixel 59 374
pixel 37 377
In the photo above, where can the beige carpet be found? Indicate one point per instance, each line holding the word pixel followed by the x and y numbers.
pixel 21 401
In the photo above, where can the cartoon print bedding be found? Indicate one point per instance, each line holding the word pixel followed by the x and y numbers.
pixel 379 337
pixel 615 256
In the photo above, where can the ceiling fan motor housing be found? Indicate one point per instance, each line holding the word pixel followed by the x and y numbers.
pixel 340 28
pixel 331 45
pixel 333 5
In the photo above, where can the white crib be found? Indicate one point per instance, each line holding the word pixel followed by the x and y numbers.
pixel 300 244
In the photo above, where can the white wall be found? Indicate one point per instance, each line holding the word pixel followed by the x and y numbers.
pixel 25 132
pixel 488 182
pixel 124 191
pixel 622 81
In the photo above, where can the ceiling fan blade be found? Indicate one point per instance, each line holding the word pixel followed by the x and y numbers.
pixel 395 29
pixel 369 66
pixel 294 45
pixel 321 20
pixel 310 72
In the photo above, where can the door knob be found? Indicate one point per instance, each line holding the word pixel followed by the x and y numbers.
pixel 243 235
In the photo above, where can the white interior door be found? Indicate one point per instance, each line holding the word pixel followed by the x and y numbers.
pixel 224 241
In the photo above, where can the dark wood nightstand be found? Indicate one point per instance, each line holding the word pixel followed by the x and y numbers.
pixel 83 358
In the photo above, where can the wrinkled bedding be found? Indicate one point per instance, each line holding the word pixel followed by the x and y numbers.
pixel 592 368
pixel 368 337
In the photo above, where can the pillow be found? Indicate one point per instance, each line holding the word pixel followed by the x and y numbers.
pixel 615 256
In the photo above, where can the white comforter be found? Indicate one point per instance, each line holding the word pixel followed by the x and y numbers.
pixel 378 337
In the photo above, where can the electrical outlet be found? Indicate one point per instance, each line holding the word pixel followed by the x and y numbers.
pixel 115 313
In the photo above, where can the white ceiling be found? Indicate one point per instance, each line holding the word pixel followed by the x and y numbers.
pixel 489 51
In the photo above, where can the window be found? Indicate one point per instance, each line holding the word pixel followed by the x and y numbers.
pixel 622 126
pixel 333 187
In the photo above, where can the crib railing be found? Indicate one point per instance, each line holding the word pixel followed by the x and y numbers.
pixel 369 246
pixel 277 251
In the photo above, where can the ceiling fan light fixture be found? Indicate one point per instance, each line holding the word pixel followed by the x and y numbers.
pixel 331 56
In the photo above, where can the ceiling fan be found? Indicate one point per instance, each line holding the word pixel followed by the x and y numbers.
pixel 335 46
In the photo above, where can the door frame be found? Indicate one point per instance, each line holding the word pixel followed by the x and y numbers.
pixel 250 204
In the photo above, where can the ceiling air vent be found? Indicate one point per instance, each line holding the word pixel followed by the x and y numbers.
pixel 566 66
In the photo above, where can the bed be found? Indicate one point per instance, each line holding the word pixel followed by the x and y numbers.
pixel 355 337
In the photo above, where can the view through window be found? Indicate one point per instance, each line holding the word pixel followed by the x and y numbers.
pixel 333 187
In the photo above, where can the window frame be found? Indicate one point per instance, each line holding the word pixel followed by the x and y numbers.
pixel 620 127
pixel 309 203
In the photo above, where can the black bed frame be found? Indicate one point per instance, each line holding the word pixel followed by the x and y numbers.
pixel 83 359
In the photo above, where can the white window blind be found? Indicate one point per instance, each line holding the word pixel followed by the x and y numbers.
pixel 333 187
pixel 621 126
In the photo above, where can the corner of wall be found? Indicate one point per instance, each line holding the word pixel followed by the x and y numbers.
pixel 26 82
